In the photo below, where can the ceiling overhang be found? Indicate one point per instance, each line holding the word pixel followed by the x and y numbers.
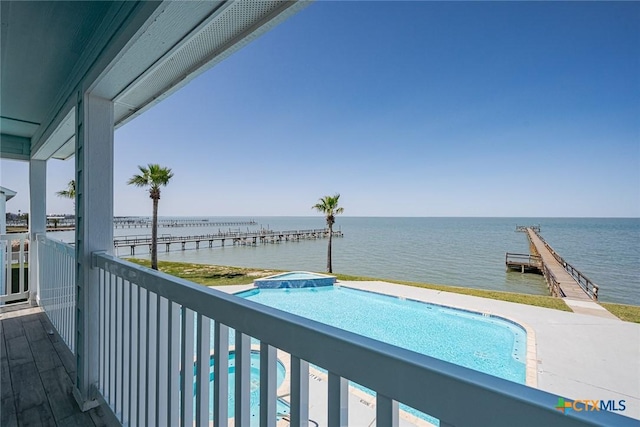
pixel 138 54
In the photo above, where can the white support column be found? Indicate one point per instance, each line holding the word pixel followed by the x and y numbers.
pixel 37 221
pixel 94 232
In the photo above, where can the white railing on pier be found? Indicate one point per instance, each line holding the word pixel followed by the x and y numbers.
pixel 155 347
pixel 13 266
pixel 57 290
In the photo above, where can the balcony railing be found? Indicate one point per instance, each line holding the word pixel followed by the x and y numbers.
pixel 57 290
pixel 13 266
pixel 155 331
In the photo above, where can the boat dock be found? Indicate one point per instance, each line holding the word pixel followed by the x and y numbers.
pixel 128 222
pixel 252 238
pixel 563 279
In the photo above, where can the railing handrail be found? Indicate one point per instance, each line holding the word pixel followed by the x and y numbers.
pixel 63 247
pixel 358 358
pixel 14 236
pixel 583 281
pixel 556 290
pixel 517 255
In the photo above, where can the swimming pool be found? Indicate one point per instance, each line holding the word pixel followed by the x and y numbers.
pixel 486 343
pixel 295 279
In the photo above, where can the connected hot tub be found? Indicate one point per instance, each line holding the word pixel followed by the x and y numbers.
pixel 295 279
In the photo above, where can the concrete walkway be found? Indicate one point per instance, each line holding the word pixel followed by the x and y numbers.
pixel 578 355
pixel 591 308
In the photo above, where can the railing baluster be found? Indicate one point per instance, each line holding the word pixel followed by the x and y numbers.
pixel 151 359
pixel 142 356
pixel 173 364
pixel 112 338
pixel 203 369
pixel 242 413
pixel 299 392
pixel 268 365
pixel 102 331
pixel 186 408
pixel 162 352
pixel 386 411
pixel 117 398
pixel 21 264
pixel 134 315
pixel 126 351
pixel 338 394
pixel 221 375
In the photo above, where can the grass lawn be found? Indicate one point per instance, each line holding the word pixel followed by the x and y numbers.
pixel 629 313
pixel 208 275
pixel 217 275
pixel 537 300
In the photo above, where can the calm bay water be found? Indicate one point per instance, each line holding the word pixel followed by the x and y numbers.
pixel 453 251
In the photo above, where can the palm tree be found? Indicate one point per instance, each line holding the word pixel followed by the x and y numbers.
pixel 328 205
pixel 153 177
pixel 69 193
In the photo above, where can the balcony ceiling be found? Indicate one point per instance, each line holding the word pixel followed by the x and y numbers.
pixel 134 53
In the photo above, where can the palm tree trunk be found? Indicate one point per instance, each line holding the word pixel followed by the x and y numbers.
pixel 329 269
pixel 154 236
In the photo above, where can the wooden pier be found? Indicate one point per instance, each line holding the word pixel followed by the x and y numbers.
pixel 563 279
pixel 236 238
pixel 146 223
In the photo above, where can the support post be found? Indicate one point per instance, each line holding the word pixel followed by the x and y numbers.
pixel 37 221
pixel 94 232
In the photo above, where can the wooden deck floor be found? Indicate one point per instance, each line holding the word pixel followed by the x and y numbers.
pixel 37 374
pixel 567 283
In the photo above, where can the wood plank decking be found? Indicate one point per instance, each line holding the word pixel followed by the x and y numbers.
pixel 37 374
pixel 568 284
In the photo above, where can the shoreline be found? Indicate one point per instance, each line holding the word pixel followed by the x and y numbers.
pixel 216 275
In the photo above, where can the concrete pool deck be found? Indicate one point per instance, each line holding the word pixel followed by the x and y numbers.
pixel 578 356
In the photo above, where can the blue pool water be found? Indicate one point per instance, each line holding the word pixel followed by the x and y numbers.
pixel 282 407
pixel 485 343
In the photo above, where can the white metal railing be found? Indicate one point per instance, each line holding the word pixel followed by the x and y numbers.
pixel 13 266
pixel 154 327
pixel 57 290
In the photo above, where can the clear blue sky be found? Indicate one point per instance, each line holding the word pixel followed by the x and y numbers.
pixel 406 109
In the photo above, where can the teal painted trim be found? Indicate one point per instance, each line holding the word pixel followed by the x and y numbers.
pixel 14 147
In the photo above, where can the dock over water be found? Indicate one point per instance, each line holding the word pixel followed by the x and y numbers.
pixel 562 278
pixel 235 238
pixel 134 222
pixel 562 283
